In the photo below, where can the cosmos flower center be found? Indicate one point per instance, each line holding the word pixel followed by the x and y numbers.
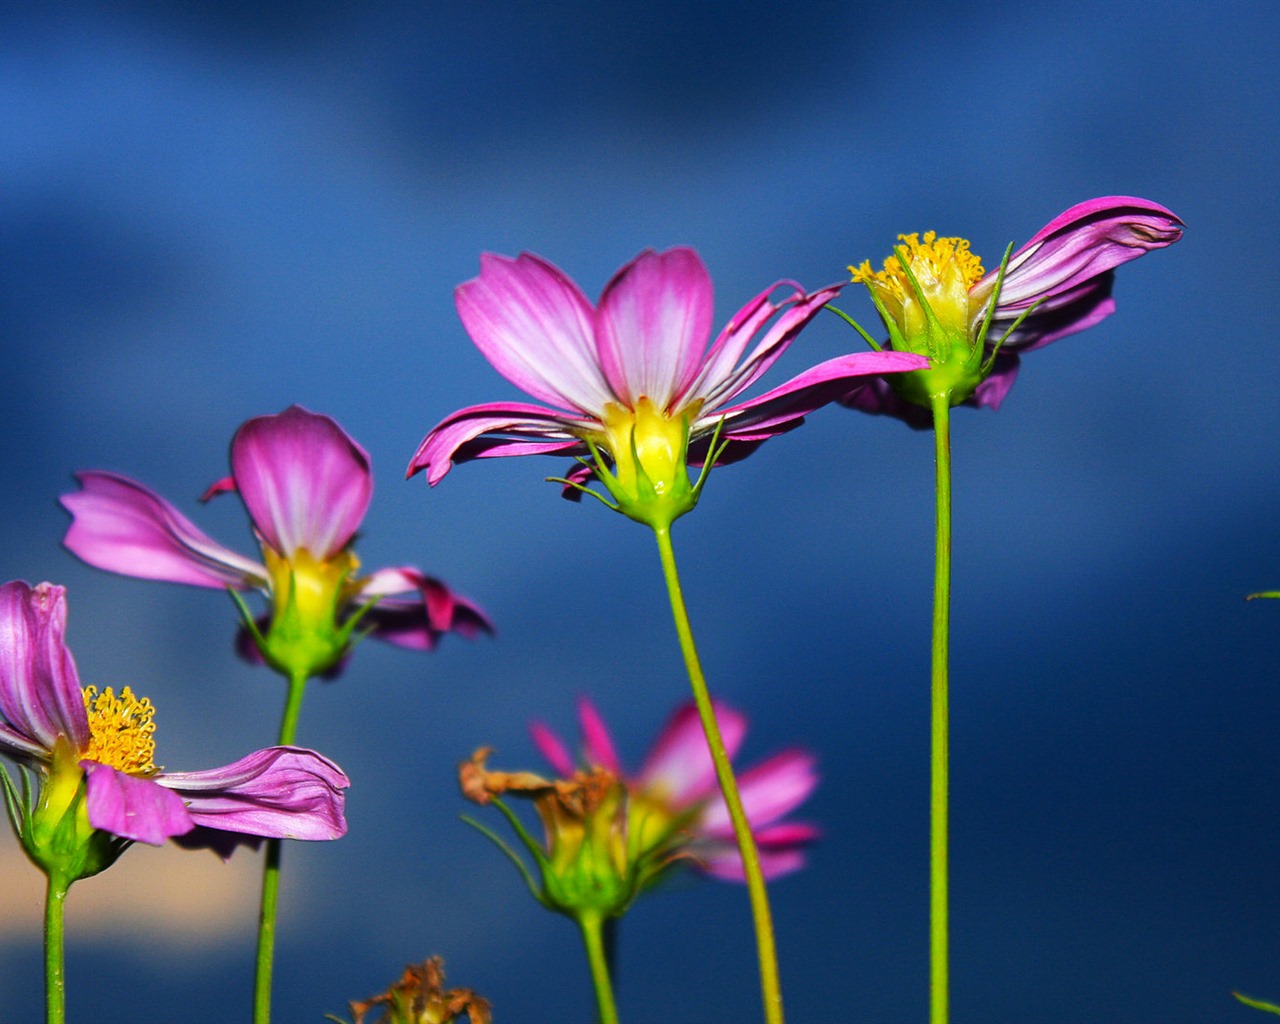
pixel 312 586
pixel 121 730
pixel 944 270
pixel 647 443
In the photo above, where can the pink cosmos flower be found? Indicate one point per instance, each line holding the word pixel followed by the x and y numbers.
pixel 306 485
pixel 48 721
pixel 633 374
pixel 1065 271
pixel 678 780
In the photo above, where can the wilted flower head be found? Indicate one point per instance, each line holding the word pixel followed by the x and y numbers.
pixel 420 997
pixel 935 300
pixel 96 754
pixel 676 788
pixel 631 379
pixel 306 485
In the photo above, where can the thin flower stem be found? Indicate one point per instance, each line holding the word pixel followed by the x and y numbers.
pixel 770 985
pixel 55 999
pixel 939 787
pixel 592 927
pixel 271 872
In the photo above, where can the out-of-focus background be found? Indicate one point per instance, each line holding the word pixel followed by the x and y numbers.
pixel 213 210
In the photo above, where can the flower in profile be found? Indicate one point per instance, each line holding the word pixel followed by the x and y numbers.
pixel 419 997
pixel 96 752
pixel 676 787
pixel 306 485
pixel 631 380
pixel 935 300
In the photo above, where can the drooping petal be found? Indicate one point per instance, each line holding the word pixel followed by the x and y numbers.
pixel 877 397
pixel 1085 306
pixel 418 624
pixel 679 766
pixel 781 851
pixel 279 792
pixel 778 409
pixel 769 791
pixel 1080 244
pixel 536 327
pixel 597 743
pixel 552 747
pixel 122 527
pixel 470 434
pixel 305 482
pixel 40 694
pixel 653 324
pixel 133 807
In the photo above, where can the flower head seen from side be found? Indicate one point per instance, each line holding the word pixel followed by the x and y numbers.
pixel 95 751
pixel 675 790
pixel 631 380
pixel 935 299
pixel 419 997
pixel 306 486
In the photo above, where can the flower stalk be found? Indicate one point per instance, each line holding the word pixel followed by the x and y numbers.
pixel 762 918
pixel 940 728
pixel 592 927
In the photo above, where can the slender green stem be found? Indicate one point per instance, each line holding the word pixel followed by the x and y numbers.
pixel 770 985
pixel 592 927
pixel 939 795
pixel 271 872
pixel 55 998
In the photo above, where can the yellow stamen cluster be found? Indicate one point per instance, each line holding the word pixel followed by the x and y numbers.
pixel 121 730
pixel 945 270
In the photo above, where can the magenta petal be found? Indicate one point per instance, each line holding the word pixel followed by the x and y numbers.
pixel 725 863
pixel 132 807
pixel 552 748
pixel 305 482
pixel 652 326
pixel 40 694
pixel 679 766
pixel 597 743
pixel 419 623
pixel 280 793
pixel 537 329
pixel 1081 243
pixel 122 527
pixel 460 437
pixel 991 392
pixel 769 791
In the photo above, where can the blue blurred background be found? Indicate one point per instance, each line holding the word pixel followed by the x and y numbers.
pixel 211 210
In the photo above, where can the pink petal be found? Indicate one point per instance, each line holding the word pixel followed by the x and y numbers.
pixel 877 397
pixel 536 327
pixel 470 434
pixel 653 324
pixel 552 748
pixel 597 743
pixel 279 792
pixel 305 482
pixel 133 807
pixel 769 791
pixel 679 766
pixel 418 624
pixel 122 527
pixel 1080 244
pixel 40 694
pixel 991 392
pixel 726 864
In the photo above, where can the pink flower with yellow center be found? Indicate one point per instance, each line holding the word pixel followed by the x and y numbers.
pixel 632 376
pixel 96 750
pixel 306 486
pixel 935 300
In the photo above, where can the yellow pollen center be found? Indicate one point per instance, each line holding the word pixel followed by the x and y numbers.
pixel 648 440
pixel 945 270
pixel 316 587
pixel 121 732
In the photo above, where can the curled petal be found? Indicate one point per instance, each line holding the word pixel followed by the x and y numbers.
pixel 279 792
pixel 679 766
pixel 40 694
pixel 419 624
pixel 653 324
pixel 132 807
pixel 535 326
pixel 480 431
pixel 122 527
pixel 305 482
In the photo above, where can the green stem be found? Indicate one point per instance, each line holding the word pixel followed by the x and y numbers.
pixel 939 795
pixel 271 872
pixel 770 985
pixel 55 999
pixel 592 927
